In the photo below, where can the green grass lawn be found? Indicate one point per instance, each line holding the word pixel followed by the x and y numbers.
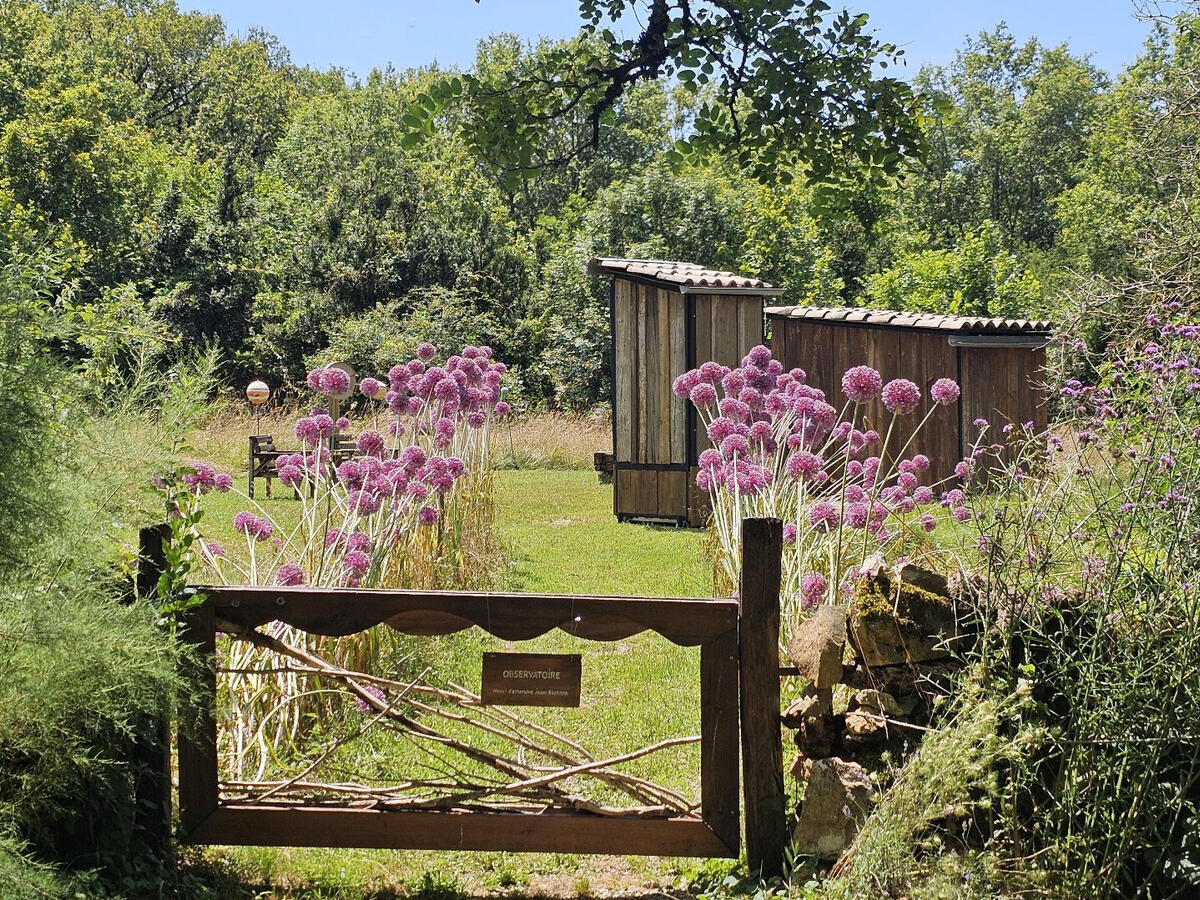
pixel 559 536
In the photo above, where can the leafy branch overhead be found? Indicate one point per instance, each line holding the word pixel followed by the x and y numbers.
pixel 784 88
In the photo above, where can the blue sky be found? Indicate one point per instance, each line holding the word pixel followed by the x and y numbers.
pixel 359 35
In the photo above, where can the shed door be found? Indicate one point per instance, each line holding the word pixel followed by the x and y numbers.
pixel 649 421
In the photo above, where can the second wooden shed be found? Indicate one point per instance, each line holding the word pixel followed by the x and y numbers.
pixel 997 362
pixel 668 317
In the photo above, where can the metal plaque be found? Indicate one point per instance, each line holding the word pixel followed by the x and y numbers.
pixel 531 679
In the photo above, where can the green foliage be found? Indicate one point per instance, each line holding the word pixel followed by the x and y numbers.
pixel 735 61
pixel 978 277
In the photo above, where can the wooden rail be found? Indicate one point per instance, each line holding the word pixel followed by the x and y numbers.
pixel 737 653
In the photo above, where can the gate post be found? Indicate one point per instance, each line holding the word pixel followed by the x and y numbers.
pixel 762 749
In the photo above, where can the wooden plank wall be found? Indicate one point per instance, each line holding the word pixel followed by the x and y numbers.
pixel 727 326
pixel 826 350
pixel 649 420
pixel 1002 385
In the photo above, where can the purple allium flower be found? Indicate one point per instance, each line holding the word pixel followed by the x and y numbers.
pixel 343 422
pixel 244 522
pixel 962 468
pixel 712 372
pixel 928 522
pixel 412 457
pixel 292 476
pixel 709 458
pixel 314 379
pixel 789 534
pixel 428 515
pixel 734 444
pixel 417 490
pixel 961 514
pixel 358 540
pixel 907 482
pixel 371 443
pixel 858 514
pixel 980 422
pixel 370 387
pixel 944 391
pixel 443 431
pixel 703 395
pixel 803 464
pixel 901 396
pixel 334 381
pixel 476 419
pixel 223 482
pixel 426 351
pixel 861 384
pixel 720 428
pixel 501 408
pixel 920 463
pixel 366 707
pixel 683 384
pixel 923 495
pixel 215 549
pixel 357 561
pixel 363 502
pixel 758 356
pixel 289 575
pixel 823 516
pixel 812 590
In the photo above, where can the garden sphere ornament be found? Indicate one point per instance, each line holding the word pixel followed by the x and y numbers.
pixel 257 393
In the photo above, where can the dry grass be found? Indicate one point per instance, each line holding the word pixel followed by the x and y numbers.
pixel 550 441
pixel 544 440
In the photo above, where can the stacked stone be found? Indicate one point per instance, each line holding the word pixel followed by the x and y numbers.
pixel 902 654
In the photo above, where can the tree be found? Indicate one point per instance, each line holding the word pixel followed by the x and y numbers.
pixel 1009 127
pixel 780 87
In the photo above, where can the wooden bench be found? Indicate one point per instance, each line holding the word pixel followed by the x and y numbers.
pixel 264 456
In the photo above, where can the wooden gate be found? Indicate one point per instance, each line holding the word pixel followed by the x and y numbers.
pixel 739 693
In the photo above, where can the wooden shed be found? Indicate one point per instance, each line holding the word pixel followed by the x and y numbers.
pixel 997 362
pixel 666 318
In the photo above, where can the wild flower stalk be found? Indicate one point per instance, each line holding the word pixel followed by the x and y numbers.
pixel 850 501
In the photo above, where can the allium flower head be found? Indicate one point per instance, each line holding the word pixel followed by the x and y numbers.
pixel 734 444
pixel 901 396
pixel 861 384
pixel 314 380
pixel 501 408
pixel 366 707
pixel 858 514
pixel 222 482
pixel 758 356
pixel 944 391
pixel 214 549
pixel 289 575
pixel 803 464
pixel 363 502
pixel 683 384
pixel 426 351
pixel 789 534
pixel 334 381
pixel 812 590
pixel 371 443
pixel 428 515
pixel 823 516
pixel 357 561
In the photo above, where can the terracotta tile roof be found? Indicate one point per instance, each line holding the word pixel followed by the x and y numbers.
pixel 968 324
pixel 684 274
